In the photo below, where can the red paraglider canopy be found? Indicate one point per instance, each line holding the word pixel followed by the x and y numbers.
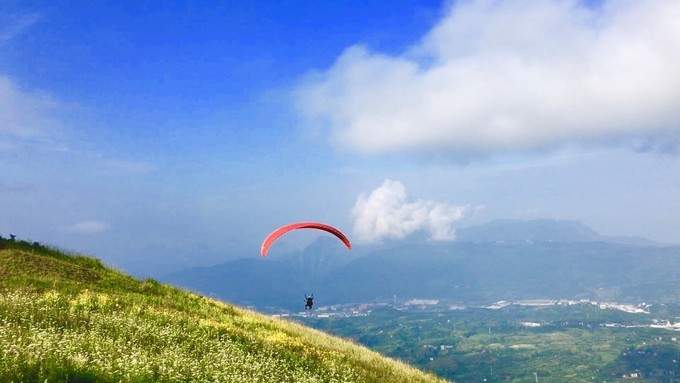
pixel 274 235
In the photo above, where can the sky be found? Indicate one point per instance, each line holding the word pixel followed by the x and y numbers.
pixel 177 134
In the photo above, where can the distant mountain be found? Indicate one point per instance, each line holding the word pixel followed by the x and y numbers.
pixel 273 281
pixel 539 230
pixel 487 272
pixel 495 261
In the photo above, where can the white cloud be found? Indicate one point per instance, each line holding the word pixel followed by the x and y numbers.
pixel 87 227
pixel 497 76
pixel 31 120
pixel 24 114
pixel 386 213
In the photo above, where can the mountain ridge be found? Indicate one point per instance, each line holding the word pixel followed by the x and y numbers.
pixel 481 267
pixel 541 230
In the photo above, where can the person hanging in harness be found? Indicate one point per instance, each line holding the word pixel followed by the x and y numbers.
pixel 309 301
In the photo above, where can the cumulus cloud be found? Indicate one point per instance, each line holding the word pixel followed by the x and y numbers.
pixel 87 227
pixel 496 76
pixel 387 213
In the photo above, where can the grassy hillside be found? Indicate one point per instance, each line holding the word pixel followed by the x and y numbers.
pixel 66 318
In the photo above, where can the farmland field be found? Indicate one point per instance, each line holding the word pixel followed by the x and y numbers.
pixel 578 343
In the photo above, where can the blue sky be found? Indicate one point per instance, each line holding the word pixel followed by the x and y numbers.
pixel 167 135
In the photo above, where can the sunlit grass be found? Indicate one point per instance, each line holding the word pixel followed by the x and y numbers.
pixel 72 319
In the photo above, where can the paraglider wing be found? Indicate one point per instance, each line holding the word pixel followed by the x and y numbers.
pixel 274 235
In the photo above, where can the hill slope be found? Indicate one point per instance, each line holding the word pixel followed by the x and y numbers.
pixel 69 318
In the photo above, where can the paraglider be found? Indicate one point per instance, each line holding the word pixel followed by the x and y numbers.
pixel 274 235
pixel 309 301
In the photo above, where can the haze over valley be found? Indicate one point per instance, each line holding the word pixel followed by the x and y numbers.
pixel 500 260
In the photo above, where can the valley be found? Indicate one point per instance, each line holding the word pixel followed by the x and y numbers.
pixel 519 342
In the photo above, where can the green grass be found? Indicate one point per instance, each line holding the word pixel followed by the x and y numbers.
pixel 68 318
